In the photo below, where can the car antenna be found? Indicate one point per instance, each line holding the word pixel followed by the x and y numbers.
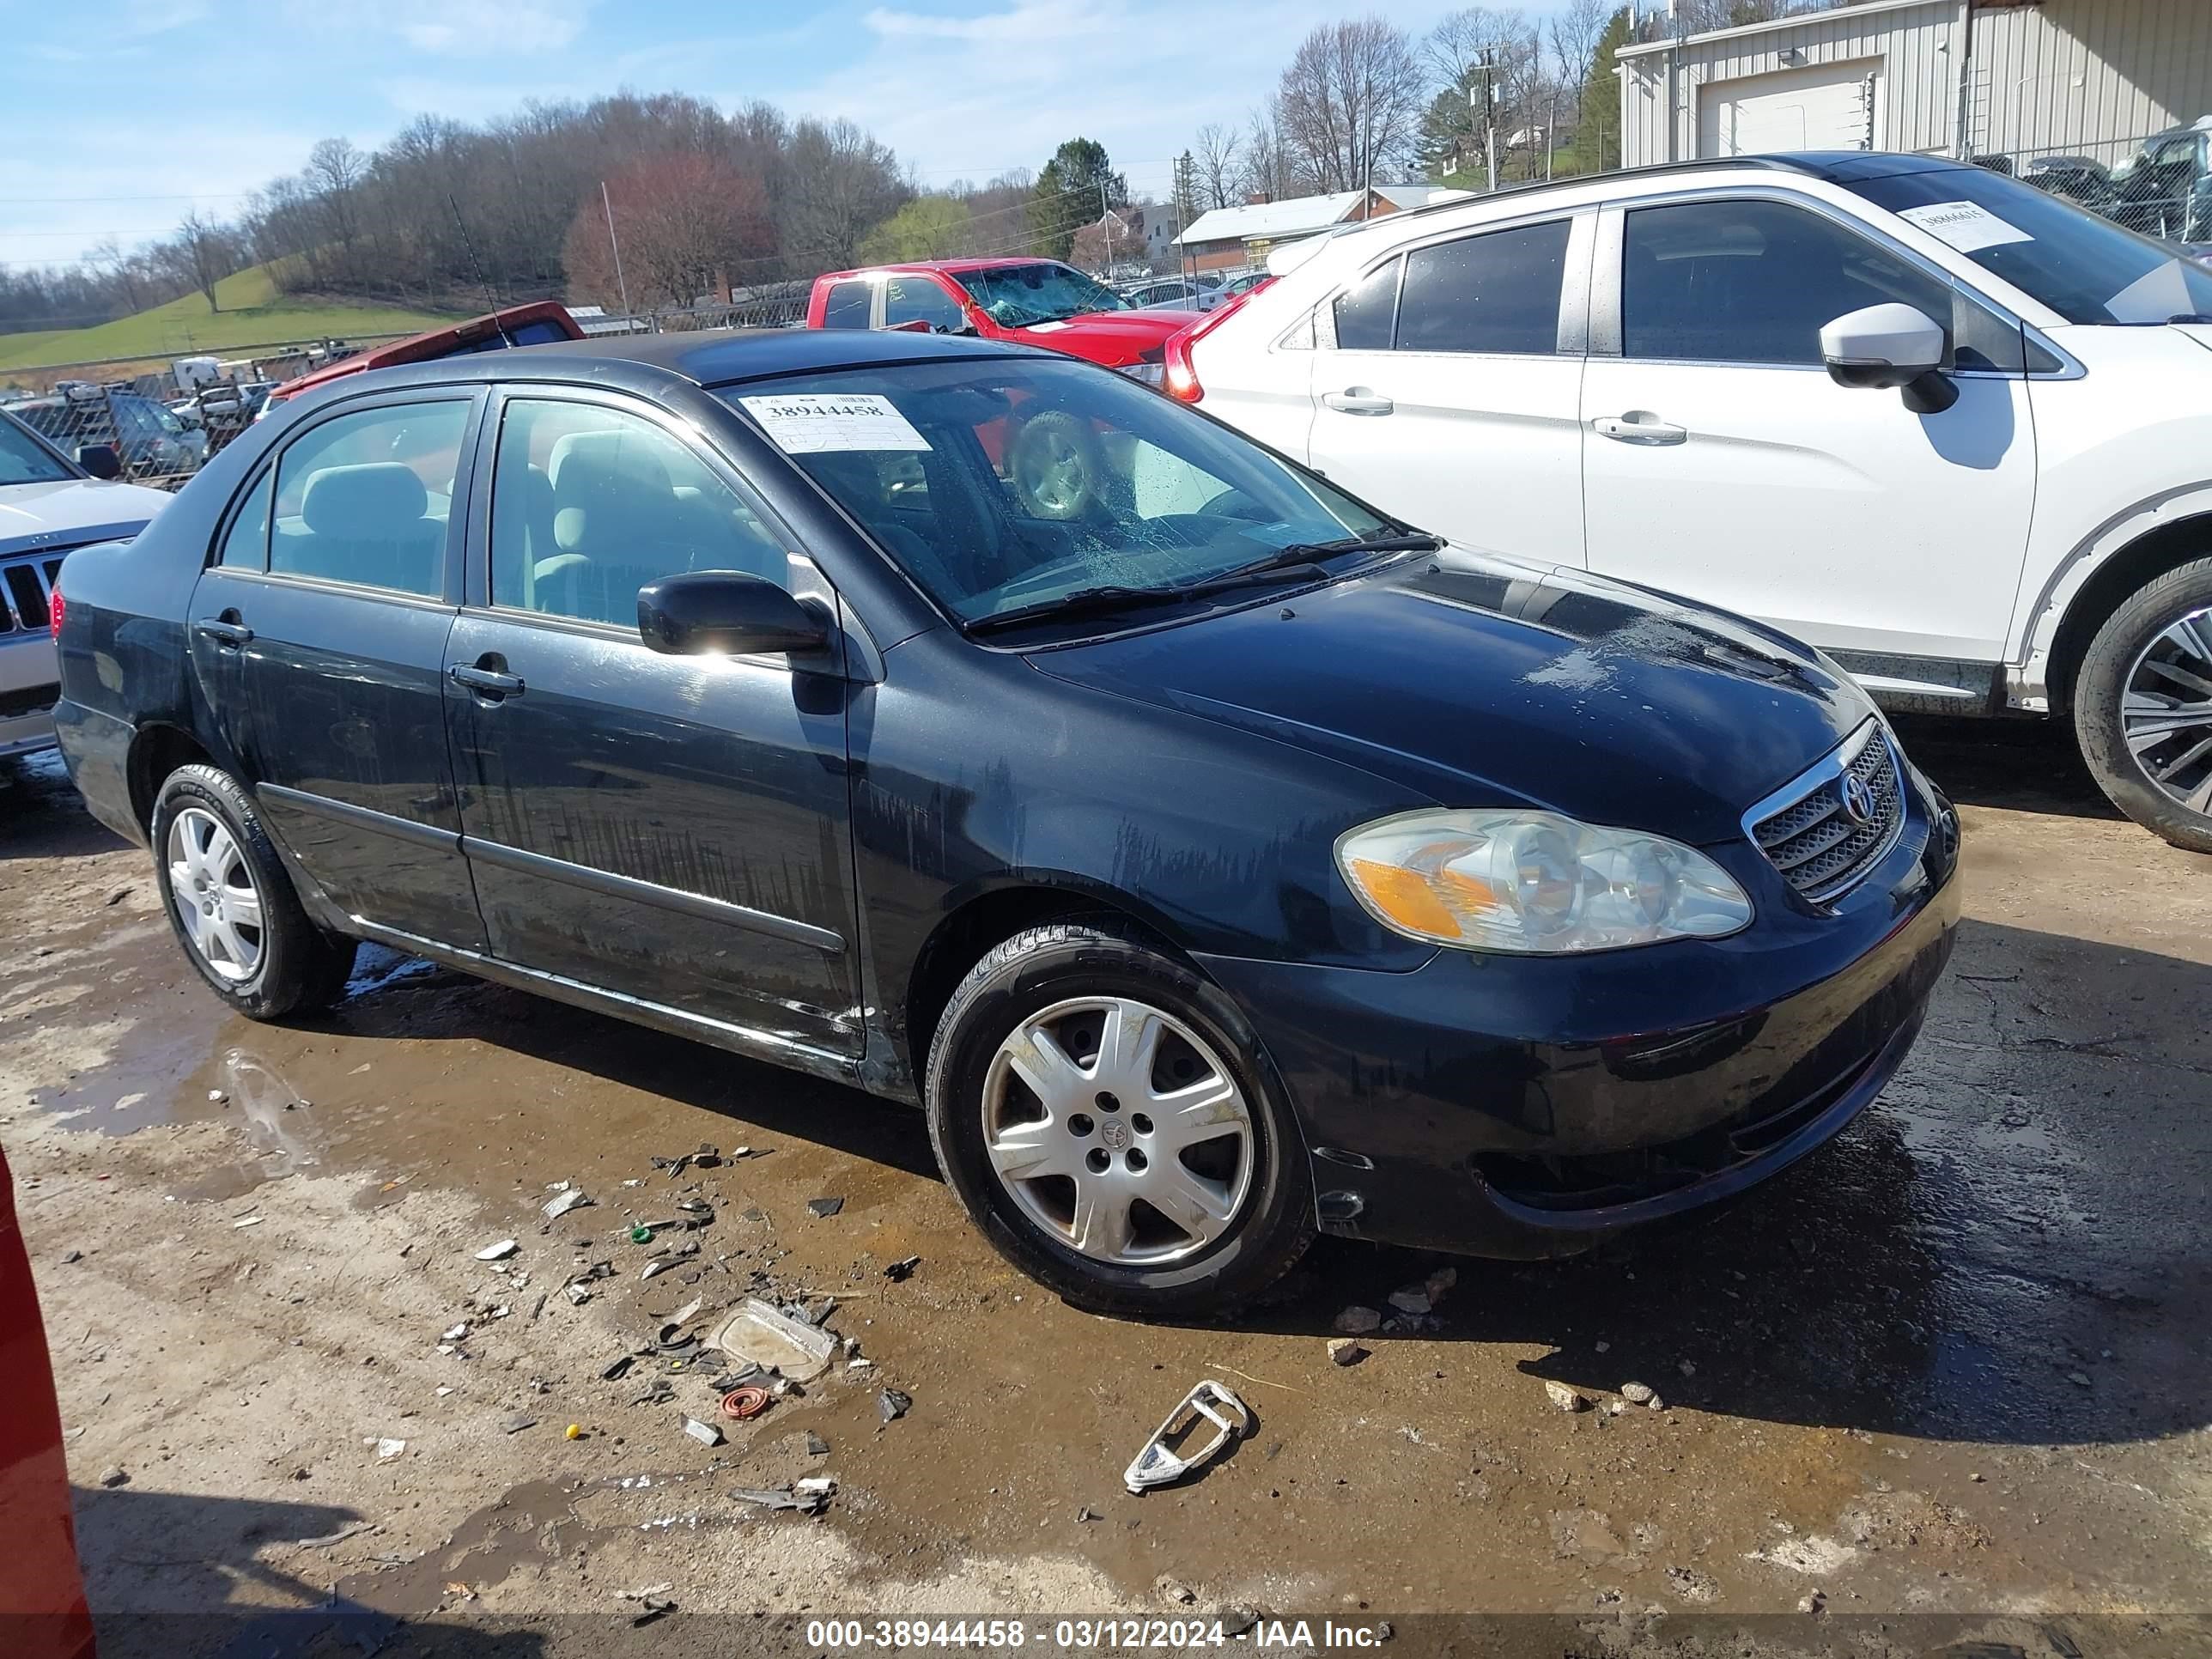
pixel 490 292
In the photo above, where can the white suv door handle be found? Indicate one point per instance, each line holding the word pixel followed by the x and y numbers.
pixel 1358 400
pixel 1639 426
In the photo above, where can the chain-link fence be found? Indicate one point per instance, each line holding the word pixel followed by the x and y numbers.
pixel 2159 183
pixel 118 431
pixel 775 305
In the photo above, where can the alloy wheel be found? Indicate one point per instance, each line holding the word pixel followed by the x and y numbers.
pixel 2166 710
pixel 1118 1131
pixel 1052 473
pixel 212 885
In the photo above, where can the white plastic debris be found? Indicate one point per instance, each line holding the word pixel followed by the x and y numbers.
pixel 499 1252
pixel 1209 1402
pixel 705 1433
pixel 248 1221
pixel 386 1450
pixel 459 1334
pixel 774 1341
pixel 572 1199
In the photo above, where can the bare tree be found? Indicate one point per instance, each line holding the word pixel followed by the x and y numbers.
pixel 1350 103
pixel 201 253
pixel 1575 30
pixel 1268 167
pixel 687 223
pixel 842 184
pixel 1216 155
pixel 335 167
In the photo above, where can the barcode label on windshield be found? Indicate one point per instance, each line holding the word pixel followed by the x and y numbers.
pixel 815 423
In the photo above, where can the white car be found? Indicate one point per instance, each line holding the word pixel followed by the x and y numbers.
pixel 48 505
pixel 1952 430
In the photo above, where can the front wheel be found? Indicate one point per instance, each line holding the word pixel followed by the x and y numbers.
pixel 1109 1121
pixel 232 906
pixel 2142 706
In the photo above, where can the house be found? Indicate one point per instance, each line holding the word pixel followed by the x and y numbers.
pixel 2010 79
pixel 1227 239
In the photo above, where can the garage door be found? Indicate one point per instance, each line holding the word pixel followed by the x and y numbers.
pixel 1831 106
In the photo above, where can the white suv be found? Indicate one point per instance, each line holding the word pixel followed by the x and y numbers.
pixel 1953 430
pixel 48 505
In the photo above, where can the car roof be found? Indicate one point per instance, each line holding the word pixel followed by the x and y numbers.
pixel 952 267
pixel 707 357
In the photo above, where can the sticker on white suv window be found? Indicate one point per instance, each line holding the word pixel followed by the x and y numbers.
pixel 1967 226
pixel 815 422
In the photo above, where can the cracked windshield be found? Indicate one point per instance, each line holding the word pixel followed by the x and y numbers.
pixel 1018 296
pixel 1003 484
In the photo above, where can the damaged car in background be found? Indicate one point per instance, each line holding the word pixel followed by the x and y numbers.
pixel 1213 857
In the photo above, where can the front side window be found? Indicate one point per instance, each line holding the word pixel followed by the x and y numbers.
pixel 850 304
pixel 589 504
pixel 1499 292
pixel 1005 483
pixel 24 459
pixel 1747 281
pixel 1045 291
pixel 2085 268
pixel 365 498
pixel 909 300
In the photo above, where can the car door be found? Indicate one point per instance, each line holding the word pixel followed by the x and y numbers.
pixel 1447 382
pixel 672 829
pixel 912 300
pixel 317 636
pixel 1721 461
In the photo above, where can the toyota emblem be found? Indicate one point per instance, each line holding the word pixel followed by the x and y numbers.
pixel 1858 800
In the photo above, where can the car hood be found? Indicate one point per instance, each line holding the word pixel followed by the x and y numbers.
pixel 31 514
pixel 1479 681
pixel 1111 337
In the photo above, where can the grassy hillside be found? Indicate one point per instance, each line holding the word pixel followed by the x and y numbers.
pixel 253 313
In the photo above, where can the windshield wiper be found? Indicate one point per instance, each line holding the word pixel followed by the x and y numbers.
pixel 1298 557
pixel 1082 602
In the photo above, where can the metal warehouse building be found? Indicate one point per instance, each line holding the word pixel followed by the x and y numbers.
pixel 2011 78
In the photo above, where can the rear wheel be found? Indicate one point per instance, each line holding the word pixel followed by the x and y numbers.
pixel 2142 706
pixel 1109 1121
pixel 232 905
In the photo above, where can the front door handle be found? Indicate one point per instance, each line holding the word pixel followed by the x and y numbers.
pixel 1639 426
pixel 486 682
pixel 1358 400
pixel 227 631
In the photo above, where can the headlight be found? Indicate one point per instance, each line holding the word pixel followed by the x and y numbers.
pixel 1535 883
pixel 1151 374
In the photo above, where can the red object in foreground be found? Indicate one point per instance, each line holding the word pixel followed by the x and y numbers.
pixel 949 295
pixel 54 609
pixel 542 322
pixel 43 1613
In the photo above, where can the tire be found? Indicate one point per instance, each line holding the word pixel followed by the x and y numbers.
pixel 1256 1214
pixel 1056 465
pixel 286 964
pixel 2167 787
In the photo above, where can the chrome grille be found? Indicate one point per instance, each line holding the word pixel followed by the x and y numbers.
pixel 1821 846
pixel 27 588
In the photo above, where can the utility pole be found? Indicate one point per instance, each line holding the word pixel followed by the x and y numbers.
pixel 607 202
pixel 1489 117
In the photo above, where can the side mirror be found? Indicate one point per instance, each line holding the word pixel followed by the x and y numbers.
pixel 101 460
pixel 1893 347
pixel 726 611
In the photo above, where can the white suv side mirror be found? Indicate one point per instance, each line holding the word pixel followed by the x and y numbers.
pixel 1891 347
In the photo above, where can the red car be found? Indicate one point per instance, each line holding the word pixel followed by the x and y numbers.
pixel 1040 303
pixel 542 322
pixel 42 1605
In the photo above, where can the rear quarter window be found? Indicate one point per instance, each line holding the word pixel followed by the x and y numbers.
pixel 848 305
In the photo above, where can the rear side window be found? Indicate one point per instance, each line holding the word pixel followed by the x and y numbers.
pixel 1366 314
pixel 544 331
pixel 1754 282
pixel 246 544
pixel 848 305
pixel 365 498
pixel 589 504
pixel 1497 293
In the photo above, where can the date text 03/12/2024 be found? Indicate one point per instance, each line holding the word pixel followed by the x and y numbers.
pixel 1286 1635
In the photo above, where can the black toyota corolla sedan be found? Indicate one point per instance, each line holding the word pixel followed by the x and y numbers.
pixel 1214 858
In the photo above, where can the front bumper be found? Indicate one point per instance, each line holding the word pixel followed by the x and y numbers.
pixel 1524 1106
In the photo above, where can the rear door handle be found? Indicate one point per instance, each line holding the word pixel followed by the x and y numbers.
pixel 1639 426
pixel 485 682
pixel 228 635
pixel 1358 400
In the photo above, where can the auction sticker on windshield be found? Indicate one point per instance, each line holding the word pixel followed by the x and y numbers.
pixel 815 422
pixel 1967 226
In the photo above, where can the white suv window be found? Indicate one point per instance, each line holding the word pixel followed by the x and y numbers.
pixel 1750 281
pixel 1494 292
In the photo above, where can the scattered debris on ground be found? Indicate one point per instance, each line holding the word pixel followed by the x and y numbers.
pixel 1155 1465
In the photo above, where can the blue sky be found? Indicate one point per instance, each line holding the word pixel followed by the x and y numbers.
pixel 122 114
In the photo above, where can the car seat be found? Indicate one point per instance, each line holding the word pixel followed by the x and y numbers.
pixel 365 524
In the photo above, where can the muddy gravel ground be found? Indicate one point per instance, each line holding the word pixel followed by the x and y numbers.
pixel 1944 1385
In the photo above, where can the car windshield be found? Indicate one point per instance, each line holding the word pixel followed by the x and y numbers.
pixel 24 459
pixel 1015 296
pixel 1001 483
pixel 2086 268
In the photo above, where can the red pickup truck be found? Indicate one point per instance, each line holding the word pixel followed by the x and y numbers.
pixel 1040 303
pixel 542 322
